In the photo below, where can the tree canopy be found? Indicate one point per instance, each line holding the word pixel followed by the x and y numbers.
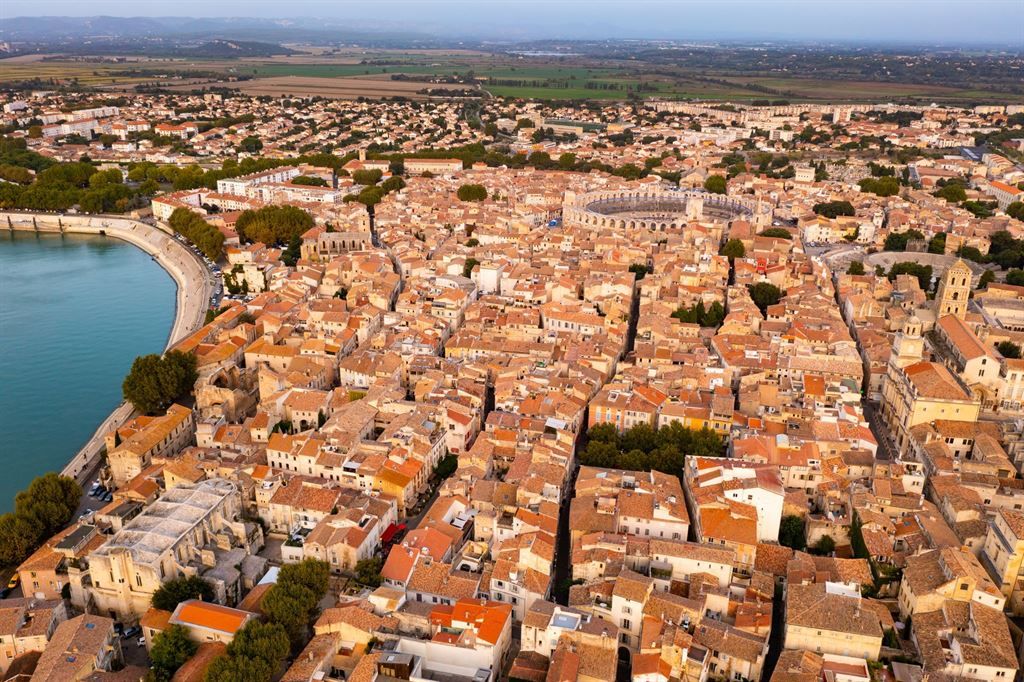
pixel 715 184
pixel 734 249
pixel 155 382
pixel 777 232
pixel 897 241
pixel 712 316
pixel 642 448
pixel 170 649
pixel 40 510
pixel 764 295
pixel 205 236
pixel 791 532
pixel 472 192
pixel 922 272
pixel 1008 349
pixel 834 209
pixel 177 590
pixel 273 224
pixel 887 186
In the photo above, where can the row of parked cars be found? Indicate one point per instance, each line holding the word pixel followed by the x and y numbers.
pixel 100 493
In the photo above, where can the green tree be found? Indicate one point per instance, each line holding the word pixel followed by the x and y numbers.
pixel 922 272
pixel 777 232
pixel 177 590
pixel 824 546
pixel 155 382
pixel 170 649
pixel 251 144
pixel 764 295
pixel 368 571
pixel 50 500
pixel 951 192
pixel 937 244
pixel 472 192
pixel 1008 349
pixel 290 256
pixel 897 241
pixel 791 532
pixel 273 224
pixel 290 605
pixel 205 236
pixel 310 180
pixel 257 640
pixel 312 574
pixel 467 269
pixel 1015 278
pixel 19 536
pixel 884 187
pixel 986 278
pixel 855 268
pixel 715 184
pixel 640 270
pixel 1016 210
pixel 734 249
pixel 234 669
pixel 367 177
pixel 834 209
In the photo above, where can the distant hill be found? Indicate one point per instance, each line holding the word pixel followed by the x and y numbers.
pixel 117 30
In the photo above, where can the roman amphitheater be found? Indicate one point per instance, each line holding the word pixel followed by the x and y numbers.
pixel 656 209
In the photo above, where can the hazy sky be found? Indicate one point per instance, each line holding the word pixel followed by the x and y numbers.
pixel 915 21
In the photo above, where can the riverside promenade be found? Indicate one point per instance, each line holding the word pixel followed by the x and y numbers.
pixel 189 272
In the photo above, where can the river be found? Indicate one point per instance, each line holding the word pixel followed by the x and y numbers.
pixel 75 310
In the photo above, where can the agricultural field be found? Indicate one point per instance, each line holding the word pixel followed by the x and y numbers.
pixel 334 88
pixel 341 72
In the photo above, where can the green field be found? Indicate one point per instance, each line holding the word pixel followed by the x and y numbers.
pixel 502 75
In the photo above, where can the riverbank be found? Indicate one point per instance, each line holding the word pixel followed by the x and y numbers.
pixel 190 275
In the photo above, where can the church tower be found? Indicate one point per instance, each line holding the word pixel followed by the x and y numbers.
pixel 954 291
pixel 908 346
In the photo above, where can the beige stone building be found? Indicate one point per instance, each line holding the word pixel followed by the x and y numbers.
pixel 191 530
pixel 1003 556
pixel 954 291
pixel 132 447
pixel 831 618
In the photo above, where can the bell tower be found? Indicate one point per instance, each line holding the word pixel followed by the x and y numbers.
pixel 954 291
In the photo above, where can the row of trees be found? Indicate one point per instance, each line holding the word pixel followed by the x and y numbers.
pixel 62 186
pixel 259 649
pixel 643 448
pixel 205 236
pixel 154 382
pixel 710 316
pixel 40 510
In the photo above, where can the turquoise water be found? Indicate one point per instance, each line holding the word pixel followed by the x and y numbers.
pixel 75 310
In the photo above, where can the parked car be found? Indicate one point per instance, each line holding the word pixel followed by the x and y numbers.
pixel 133 631
pixel 13 582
